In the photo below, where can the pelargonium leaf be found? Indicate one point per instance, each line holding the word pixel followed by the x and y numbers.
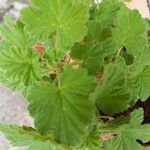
pixel 29 138
pixel 127 134
pixel 65 110
pixel 130 31
pixel 14 35
pixel 112 94
pixel 107 12
pixel 92 140
pixel 143 81
pixel 20 66
pixel 62 18
pixel 97 32
pixel 92 55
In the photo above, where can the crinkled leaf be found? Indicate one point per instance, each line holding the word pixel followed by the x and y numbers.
pixel 130 31
pixel 139 75
pixel 112 94
pixel 20 66
pixel 107 11
pixel 97 32
pixel 62 18
pixel 13 85
pixel 92 56
pixel 127 134
pixel 30 138
pixel 64 110
pixel 141 60
pixel 13 35
pixel 136 118
pixel 143 81
pixel 92 140
pixel 122 142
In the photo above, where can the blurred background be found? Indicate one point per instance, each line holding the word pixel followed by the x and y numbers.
pixel 12 106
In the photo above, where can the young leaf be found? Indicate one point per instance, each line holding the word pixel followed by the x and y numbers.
pixel 113 95
pixel 21 66
pixel 64 110
pixel 130 31
pixel 28 137
pixel 62 19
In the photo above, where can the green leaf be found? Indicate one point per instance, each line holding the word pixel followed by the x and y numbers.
pixel 112 94
pixel 20 66
pixel 107 11
pixel 13 85
pixel 139 75
pixel 141 60
pixel 13 35
pixel 127 134
pixel 136 118
pixel 28 137
pixel 143 81
pixel 122 142
pixel 92 56
pixel 97 32
pixel 62 19
pixel 64 110
pixel 130 31
pixel 92 140
pixel 86 2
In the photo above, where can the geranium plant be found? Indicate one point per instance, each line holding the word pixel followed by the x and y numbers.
pixel 78 64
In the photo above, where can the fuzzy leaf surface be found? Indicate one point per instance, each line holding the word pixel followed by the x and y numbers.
pixel 92 56
pixel 92 140
pixel 107 11
pixel 64 110
pixel 13 35
pixel 130 31
pixel 19 65
pixel 112 94
pixel 127 134
pixel 62 19
pixel 30 138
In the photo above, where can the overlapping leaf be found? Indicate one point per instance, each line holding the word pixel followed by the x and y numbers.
pixel 127 134
pixel 64 110
pixel 139 75
pixel 62 19
pixel 143 81
pixel 107 11
pixel 91 141
pixel 130 31
pixel 97 32
pixel 19 66
pixel 112 94
pixel 28 137
pixel 92 56
pixel 13 35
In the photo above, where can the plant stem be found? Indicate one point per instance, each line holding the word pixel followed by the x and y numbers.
pixel 119 51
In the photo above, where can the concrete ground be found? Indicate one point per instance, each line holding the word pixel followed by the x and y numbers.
pixel 12 106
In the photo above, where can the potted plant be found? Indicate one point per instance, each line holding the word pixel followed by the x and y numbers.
pixel 82 67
